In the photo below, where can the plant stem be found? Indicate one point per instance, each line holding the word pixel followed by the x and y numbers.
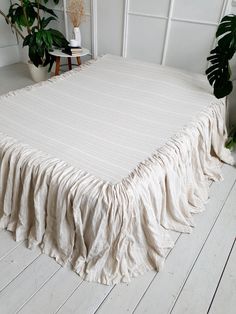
pixel 38 14
pixel 26 17
pixel 12 25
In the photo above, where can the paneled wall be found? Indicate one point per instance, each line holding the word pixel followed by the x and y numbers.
pixel 110 26
pixel 234 6
pixel 9 52
pixel 173 32
pixel 178 33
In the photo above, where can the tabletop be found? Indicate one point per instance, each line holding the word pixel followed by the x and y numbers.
pixel 59 53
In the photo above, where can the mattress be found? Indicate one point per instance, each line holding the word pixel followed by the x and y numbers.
pixel 98 164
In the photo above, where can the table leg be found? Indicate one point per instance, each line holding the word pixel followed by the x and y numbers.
pixel 58 61
pixel 69 63
pixel 78 61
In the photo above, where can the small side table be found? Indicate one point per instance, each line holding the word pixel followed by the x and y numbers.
pixel 59 54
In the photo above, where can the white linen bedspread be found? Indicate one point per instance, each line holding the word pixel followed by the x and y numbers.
pixel 97 164
pixel 109 117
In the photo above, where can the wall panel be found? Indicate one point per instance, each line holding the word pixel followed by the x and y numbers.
pixel 7 38
pixel 9 52
pixel 233 9
pixel 189 45
pixel 201 10
pixel 155 7
pixel 110 26
pixel 146 38
pixel 185 29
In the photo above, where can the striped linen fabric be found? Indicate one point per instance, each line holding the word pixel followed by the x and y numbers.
pixel 98 164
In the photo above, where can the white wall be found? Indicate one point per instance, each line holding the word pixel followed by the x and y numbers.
pixel 9 52
pixel 178 33
pixel 110 26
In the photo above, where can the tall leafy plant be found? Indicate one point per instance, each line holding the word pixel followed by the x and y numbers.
pixel 30 20
pixel 219 72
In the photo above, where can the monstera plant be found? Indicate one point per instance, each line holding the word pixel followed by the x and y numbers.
pixel 219 72
pixel 30 20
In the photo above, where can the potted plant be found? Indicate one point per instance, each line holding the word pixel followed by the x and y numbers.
pixel 30 20
pixel 219 72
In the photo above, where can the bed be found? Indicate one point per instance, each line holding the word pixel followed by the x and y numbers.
pixel 100 163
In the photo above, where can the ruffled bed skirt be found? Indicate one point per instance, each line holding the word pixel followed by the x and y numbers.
pixel 112 232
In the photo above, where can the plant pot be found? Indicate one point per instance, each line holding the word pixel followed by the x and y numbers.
pixel 77 35
pixel 38 74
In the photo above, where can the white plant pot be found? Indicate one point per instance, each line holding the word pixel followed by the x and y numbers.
pixel 39 73
pixel 77 35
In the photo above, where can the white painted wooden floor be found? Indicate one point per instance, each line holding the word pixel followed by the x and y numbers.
pixel 199 274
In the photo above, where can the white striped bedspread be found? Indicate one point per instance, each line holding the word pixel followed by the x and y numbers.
pixel 98 164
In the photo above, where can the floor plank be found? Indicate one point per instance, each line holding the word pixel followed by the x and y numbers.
pixel 225 298
pixel 27 284
pixel 86 299
pixel 15 262
pixel 53 294
pixel 167 284
pixel 80 299
pixel 201 284
pixel 131 293
pixel 124 297
pixel 6 243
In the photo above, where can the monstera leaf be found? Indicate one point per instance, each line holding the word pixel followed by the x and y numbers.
pixel 219 73
pixel 226 33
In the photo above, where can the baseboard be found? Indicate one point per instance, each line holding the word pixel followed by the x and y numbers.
pixel 9 55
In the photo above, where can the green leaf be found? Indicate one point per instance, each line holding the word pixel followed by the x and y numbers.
pixel 43 8
pixel 47 37
pixel 31 14
pixel 34 56
pixel 226 32
pixel 231 142
pixel 54 1
pixel 26 41
pixel 218 73
pixel 38 37
pixel 46 21
pixel 59 39
pixel 17 16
